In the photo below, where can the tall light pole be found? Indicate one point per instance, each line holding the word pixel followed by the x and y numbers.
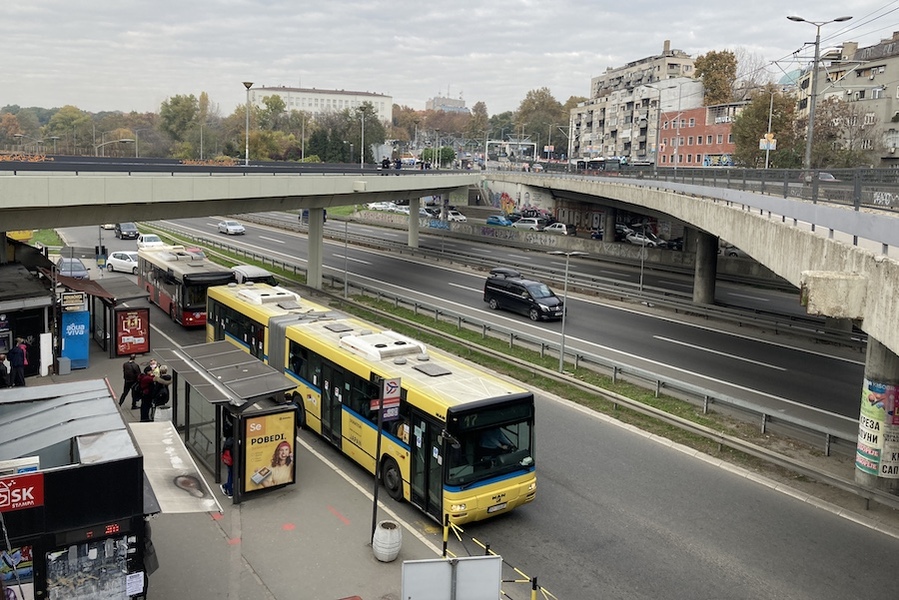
pixel 437 148
pixel 55 138
pixel 246 159
pixel 767 138
pixel 362 142
pixel 101 145
pixel 36 141
pixel 567 256
pixel 807 161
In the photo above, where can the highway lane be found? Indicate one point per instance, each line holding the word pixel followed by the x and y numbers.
pixel 621 516
pixel 737 364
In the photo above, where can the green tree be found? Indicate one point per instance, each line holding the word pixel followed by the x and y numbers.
pixel 752 123
pixel 718 71
pixel 270 117
pixel 178 115
pixel 501 125
pixel 537 114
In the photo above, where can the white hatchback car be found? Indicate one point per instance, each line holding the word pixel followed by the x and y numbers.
pixel 124 262
pixel 149 240
pixel 455 215
pixel 231 228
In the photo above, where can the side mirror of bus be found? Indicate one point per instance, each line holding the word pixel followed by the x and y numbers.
pixel 453 442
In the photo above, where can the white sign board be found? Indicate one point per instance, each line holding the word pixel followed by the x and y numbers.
pixel 472 577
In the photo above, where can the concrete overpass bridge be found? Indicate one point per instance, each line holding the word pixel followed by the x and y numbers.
pixel 837 279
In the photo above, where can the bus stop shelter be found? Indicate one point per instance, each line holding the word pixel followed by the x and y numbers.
pixel 220 389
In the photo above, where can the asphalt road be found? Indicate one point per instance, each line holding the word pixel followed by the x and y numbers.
pixel 619 515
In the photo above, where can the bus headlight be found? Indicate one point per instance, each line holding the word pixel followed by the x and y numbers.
pixel 458 507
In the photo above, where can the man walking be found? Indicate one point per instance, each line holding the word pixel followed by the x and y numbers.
pixel 130 373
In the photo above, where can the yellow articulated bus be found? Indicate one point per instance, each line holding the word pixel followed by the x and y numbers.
pixel 462 444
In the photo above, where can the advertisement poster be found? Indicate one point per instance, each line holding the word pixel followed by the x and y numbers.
pixel 877 452
pixel 17 572
pixel 132 331
pixel 270 445
pixel 91 570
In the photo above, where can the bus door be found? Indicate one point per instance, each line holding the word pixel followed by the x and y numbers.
pixel 426 471
pixel 332 401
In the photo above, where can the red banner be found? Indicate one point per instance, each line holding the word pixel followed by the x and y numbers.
pixel 18 492
pixel 132 331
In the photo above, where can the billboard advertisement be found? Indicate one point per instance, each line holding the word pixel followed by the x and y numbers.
pixel 270 443
pixel 132 331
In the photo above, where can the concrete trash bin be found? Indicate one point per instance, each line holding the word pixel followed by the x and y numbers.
pixel 387 541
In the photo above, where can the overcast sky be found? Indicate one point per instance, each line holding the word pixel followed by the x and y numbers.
pixel 131 55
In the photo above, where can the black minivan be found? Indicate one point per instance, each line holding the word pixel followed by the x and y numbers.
pixel 126 231
pixel 506 289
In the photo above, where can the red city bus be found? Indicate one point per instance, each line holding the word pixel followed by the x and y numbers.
pixel 177 280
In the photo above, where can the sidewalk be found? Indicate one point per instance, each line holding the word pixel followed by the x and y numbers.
pixel 310 540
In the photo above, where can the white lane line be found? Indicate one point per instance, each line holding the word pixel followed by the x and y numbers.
pixel 268 239
pixel 748 297
pixel 724 354
pixel 350 258
pixel 466 288
pixel 677 283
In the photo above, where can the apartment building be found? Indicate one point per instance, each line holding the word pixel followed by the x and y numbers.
pixel 450 105
pixel 698 137
pixel 317 102
pixel 622 115
pixel 868 79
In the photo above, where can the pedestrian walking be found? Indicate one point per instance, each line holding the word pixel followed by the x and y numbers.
pixel 4 372
pixel 18 360
pixel 130 373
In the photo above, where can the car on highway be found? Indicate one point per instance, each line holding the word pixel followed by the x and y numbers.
pixel 561 228
pixel 149 240
pixel 499 221
pixel 645 238
pixel 455 216
pixel 108 225
pixel 231 228
pixel 524 296
pixel 530 223
pixel 126 231
pixel 72 267
pixel 122 261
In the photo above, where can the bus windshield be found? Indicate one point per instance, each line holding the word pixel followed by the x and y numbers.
pixel 489 452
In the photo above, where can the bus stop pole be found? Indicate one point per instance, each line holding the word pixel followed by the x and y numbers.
pixel 374 507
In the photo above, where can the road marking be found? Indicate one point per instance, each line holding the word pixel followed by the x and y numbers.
pixel 268 239
pixel 748 297
pixel 466 288
pixel 719 353
pixel 677 283
pixel 350 258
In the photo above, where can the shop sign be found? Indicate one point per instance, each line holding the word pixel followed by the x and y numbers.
pixel 19 492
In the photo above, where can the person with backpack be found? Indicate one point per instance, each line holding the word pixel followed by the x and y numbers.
pixel 160 394
pixel 130 373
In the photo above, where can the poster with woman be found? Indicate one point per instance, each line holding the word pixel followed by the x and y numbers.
pixel 270 446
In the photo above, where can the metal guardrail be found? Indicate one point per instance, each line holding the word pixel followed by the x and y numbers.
pixel 652 380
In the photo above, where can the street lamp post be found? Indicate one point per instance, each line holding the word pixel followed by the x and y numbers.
pixel 655 165
pixel 437 148
pixel 567 256
pixel 362 142
pixel 246 159
pixel 103 144
pixel 36 141
pixel 767 138
pixel 807 161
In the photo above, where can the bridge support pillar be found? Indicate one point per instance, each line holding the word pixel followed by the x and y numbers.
pixel 314 264
pixel 608 224
pixel 706 268
pixel 414 219
pixel 877 454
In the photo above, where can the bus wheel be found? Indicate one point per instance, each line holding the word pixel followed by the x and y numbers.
pixel 392 478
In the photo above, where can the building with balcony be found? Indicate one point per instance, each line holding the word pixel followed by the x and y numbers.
pixel 622 115
pixel 317 102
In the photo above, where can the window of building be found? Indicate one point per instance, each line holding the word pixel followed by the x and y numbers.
pixel 690 140
pixel 692 123
pixel 665 124
pixel 689 158
pixel 680 158
pixel 708 140
pixel 730 138
pixel 720 138
pixel 699 159
pixel 870 119
pixel 683 123
pixel 699 140
pixel 867 145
